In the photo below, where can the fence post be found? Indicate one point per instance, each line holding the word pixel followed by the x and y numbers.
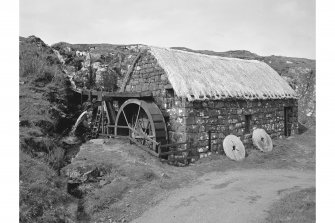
pixel 81 97
pixel 159 150
pixel 90 96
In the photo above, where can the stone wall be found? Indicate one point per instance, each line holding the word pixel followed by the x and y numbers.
pixel 149 76
pixel 192 121
pixel 224 117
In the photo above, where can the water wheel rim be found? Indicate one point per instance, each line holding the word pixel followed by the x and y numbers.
pixel 148 107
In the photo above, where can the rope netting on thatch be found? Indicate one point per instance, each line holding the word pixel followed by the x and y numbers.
pixel 199 77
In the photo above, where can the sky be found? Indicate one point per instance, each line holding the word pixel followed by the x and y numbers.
pixel 264 27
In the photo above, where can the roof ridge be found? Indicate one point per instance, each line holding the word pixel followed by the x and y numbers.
pixel 205 55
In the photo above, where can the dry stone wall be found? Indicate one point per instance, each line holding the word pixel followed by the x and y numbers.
pixel 224 117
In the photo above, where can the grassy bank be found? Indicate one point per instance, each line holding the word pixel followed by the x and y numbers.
pixel 298 206
pixel 47 110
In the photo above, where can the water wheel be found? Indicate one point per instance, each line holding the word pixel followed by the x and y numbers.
pixel 262 140
pixel 233 148
pixel 142 121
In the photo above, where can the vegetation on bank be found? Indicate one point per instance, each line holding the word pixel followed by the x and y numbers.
pixel 298 206
pixel 43 196
pixel 47 112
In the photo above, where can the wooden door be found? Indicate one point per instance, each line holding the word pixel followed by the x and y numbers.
pixel 287 121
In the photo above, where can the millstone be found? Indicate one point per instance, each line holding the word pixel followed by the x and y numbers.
pixel 262 140
pixel 233 148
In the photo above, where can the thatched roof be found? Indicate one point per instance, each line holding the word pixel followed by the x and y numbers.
pixel 199 77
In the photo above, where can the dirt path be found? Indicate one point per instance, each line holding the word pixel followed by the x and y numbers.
pixel 234 196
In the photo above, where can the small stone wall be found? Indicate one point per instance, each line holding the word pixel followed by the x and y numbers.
pixel 224 117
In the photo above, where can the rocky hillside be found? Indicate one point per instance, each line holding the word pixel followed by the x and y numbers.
pixel 299 72
pixel 96 66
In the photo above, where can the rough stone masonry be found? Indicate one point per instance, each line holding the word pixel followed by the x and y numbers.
pixel 196 121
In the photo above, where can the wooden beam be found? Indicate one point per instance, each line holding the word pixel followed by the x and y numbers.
pixel 168 86
pixel 81 98
pixel 110 95
pixel 119 126
pixel 102 117
pixel 99 94
pixel 174 152
pixel 113 136
pixel 143 147
pixel 209 140
pixel 130 70
pixel 111 112
pixel 144 136
pixel 89 93
pixel 173 144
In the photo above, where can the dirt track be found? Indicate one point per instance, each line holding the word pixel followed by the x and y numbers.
pixel 233 196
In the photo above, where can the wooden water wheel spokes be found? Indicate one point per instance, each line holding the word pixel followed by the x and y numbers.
pixel 141 128
pixel 142 121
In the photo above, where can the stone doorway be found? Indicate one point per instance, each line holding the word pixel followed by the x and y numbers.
pixel 288 112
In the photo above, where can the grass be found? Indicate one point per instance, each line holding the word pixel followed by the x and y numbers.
pixel 102 199
pixel 295 207
pixel 43 196
pixel 128 176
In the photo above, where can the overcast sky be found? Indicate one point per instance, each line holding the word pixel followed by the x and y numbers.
pixel 265 27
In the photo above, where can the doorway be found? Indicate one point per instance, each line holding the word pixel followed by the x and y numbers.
pixel 287 121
